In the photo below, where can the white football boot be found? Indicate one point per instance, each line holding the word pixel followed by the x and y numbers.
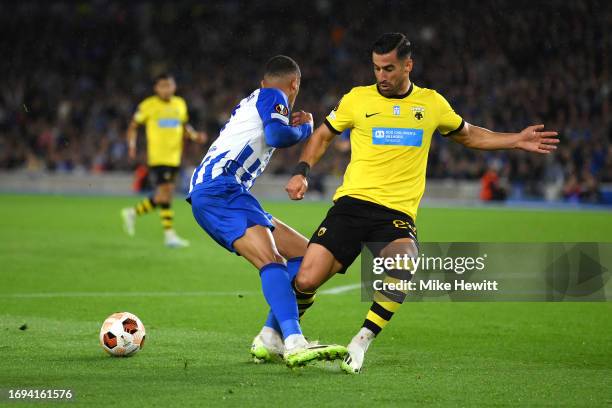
pixel 267 346
pixel 174 241
pixel 353 361
pixel 129 221
pixel 357 348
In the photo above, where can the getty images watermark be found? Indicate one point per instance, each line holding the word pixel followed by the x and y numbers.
pixel 489 272
pixel 458 265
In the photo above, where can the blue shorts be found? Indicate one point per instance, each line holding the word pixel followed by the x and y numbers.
pixel 225 209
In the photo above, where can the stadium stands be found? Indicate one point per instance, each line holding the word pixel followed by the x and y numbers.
pixel 73 72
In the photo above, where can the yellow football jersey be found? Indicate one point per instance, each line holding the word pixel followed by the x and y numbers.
pixel 164 127
pixel 390 140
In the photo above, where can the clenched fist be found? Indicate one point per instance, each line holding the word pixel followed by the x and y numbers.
pixel 297 187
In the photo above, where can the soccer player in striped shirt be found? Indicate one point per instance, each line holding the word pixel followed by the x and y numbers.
pixel 225 209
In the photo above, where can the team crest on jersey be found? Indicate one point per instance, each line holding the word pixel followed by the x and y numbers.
pixel 419 112
pixel 282 109
pixel 396 110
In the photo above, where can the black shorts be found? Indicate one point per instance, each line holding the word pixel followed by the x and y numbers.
pixel 352 222
pixel 162 174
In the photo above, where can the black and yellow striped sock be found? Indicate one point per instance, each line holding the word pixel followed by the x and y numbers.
pixel 145 206
pixel 379 315
pixel 304 299
pixel 167 216
pixel 385 304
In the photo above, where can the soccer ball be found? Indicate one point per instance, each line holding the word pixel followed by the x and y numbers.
pixel 122 334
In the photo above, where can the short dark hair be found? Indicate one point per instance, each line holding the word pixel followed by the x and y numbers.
pixel 281 65
pixel 393 41
pixel 162 76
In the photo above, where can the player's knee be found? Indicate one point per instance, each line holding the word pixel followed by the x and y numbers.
pixel 278 258
pixel 266 258
pixel 400 247
pixel 162 197
pixel 305 283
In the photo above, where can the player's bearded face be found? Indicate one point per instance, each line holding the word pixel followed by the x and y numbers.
pixel 391 73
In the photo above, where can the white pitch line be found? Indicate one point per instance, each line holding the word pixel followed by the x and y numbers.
pixel 120 294
pixel 332 291
pixel 340 289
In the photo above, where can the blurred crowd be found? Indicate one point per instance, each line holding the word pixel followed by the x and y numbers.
pixel 73 73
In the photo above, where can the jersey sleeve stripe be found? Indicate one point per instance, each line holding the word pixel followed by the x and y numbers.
pixel 280 117
pixel 452 132
pixel 329 125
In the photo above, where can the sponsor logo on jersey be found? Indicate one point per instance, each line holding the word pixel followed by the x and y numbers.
pixel 379 134
pixel 397 136
pixel 396 110
pixel 321 231
pixel 168 123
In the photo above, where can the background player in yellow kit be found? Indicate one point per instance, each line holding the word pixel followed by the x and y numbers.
pixel 165 117
pixel 392 125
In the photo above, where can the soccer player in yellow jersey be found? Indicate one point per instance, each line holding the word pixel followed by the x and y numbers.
pixel 392 124
pixel 165 118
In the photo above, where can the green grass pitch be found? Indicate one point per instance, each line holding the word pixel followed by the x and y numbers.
pixel 65 265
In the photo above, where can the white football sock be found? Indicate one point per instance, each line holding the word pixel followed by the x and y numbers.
pixel 271 336
pixel 295 341
pixel 363 338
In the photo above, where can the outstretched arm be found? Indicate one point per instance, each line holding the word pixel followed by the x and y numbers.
pixel 312 153
pixel 531 139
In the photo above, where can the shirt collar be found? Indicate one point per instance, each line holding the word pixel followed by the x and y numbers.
pixel 397 96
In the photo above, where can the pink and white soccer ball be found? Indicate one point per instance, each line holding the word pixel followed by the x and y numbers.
pixel 122 334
